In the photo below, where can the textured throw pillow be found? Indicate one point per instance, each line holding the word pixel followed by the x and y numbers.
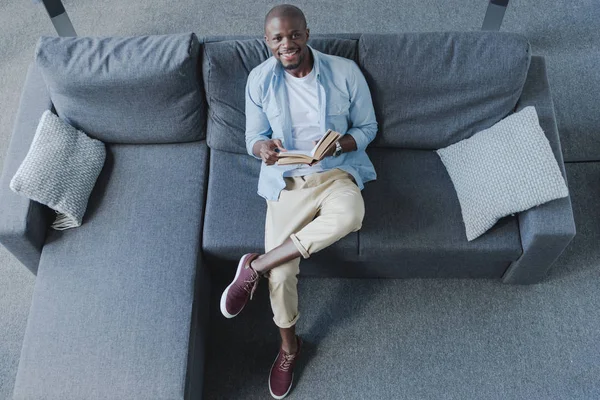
pixel 502 170
pixel 60 170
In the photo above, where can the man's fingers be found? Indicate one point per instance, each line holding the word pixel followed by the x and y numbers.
pixel 269 157
pixel 264 155
pixel 279 145
pixel 267 153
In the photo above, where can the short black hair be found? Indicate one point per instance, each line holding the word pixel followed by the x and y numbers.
pixel 285 10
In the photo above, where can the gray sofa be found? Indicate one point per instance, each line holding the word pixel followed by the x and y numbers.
pixel 120 304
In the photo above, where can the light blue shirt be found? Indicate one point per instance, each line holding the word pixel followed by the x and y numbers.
pixel 345 106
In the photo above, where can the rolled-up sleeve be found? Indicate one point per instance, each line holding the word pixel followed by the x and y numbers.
pixel 257 124
pixel 362 114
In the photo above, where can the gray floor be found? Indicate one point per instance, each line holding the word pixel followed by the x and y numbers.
pixel 412 339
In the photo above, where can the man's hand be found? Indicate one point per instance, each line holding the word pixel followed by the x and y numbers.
pixel 346 141
pixel 266 150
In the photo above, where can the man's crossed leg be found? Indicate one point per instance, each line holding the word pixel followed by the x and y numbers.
pixel 312 213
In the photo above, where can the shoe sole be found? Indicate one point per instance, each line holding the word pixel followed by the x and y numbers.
pixel 224 295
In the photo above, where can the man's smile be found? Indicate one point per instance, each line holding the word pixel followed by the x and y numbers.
pixel 289 54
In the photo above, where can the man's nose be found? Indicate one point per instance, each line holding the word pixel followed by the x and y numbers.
pixel 285 41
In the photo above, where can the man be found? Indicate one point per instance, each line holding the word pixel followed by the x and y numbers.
pixel 291 100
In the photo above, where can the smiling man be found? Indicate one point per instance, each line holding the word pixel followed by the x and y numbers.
pixel 291 100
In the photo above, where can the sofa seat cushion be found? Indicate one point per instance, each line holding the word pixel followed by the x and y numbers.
pixel 413 219
pixel 112 303
pixel 234 223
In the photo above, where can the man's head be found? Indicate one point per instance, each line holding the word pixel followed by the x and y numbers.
pixel 286 35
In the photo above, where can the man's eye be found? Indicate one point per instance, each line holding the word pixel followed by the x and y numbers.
pixel 277 39
pixel 296 35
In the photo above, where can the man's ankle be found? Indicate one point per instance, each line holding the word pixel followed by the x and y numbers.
pixel 256 267
pixel 292 348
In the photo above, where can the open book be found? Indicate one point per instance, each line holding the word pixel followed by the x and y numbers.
pixel 311 156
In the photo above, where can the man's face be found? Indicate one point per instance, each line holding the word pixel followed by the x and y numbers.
pixel 287 37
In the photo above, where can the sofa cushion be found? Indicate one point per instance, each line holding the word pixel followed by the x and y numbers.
pixel 112 302
pixel 234 223
pixel 126 90
pixel 434 89
pixel 502 170
pixel 226 66
pixel 412 218
pixel 60 170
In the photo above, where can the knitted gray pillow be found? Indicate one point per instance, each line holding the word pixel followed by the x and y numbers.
pixel 502 170
pixel 60 170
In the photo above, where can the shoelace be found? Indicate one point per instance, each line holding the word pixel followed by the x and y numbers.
pixel 286 362
pixel 251 285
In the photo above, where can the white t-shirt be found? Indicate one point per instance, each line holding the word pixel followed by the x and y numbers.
pixel 303 101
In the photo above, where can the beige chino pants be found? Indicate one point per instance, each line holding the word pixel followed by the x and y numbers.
pixel 315 211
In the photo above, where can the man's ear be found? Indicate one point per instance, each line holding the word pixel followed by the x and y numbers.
pixel 307 34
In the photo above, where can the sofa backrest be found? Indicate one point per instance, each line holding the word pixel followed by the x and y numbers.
pixel 144 89
pixel 225 70
pixel 434 89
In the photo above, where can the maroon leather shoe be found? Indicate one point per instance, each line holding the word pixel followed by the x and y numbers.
pixel 237 294
pixel 281 376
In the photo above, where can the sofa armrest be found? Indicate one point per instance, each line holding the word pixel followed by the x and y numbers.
pixel 23 223
pixel 545 230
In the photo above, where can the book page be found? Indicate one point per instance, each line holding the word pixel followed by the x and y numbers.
pixel 329 138
pixel 294 152
pixel 316 153
pixel 314 150
pixel 295 159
